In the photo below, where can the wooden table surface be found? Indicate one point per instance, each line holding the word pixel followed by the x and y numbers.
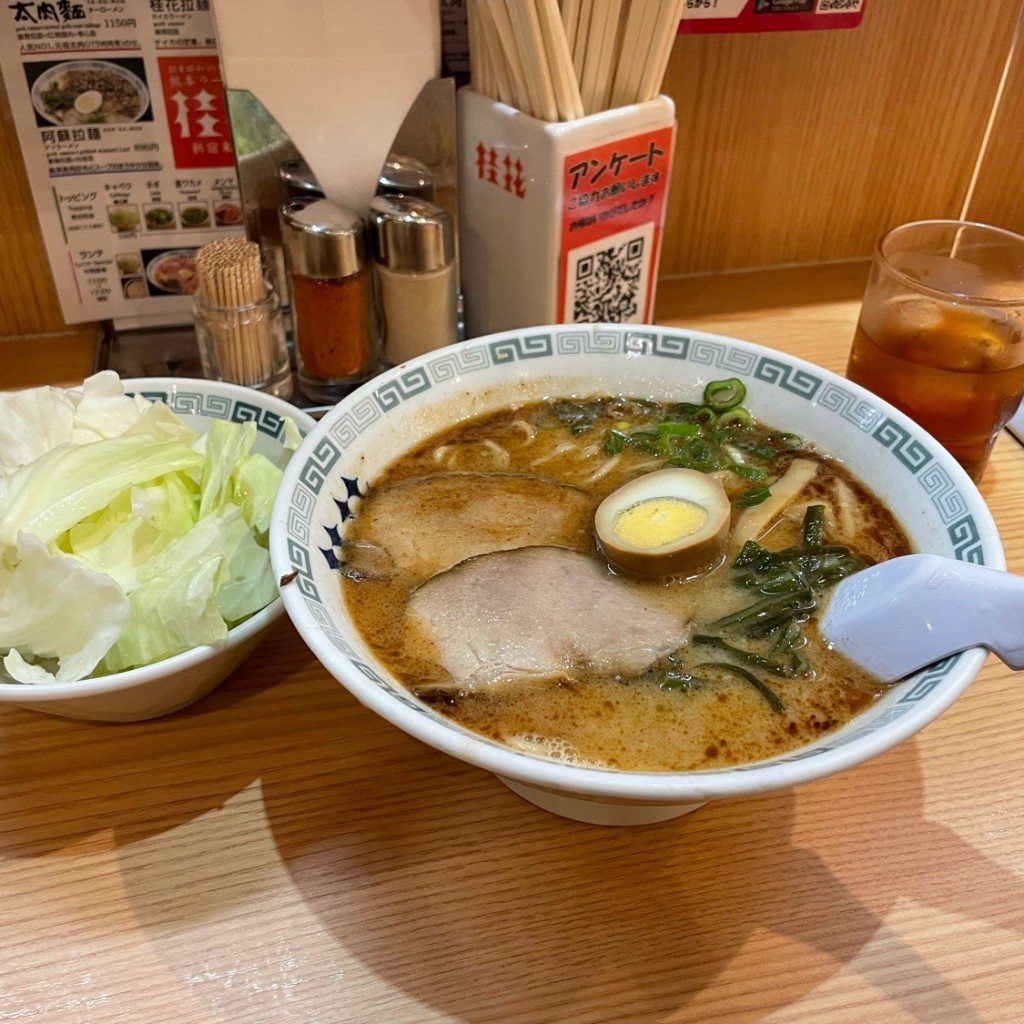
pixel 276 853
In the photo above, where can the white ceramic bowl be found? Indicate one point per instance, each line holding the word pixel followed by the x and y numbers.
pixel 933 498
pixel 175 682
pixel 104 67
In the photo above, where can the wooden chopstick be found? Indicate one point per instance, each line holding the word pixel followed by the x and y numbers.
pixel 496 21
pixel 559 57
pixel 560 60
pixel 664 35
pixel 636 35
pixel 526 30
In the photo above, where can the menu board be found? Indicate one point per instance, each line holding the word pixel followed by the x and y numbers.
pixel 122 119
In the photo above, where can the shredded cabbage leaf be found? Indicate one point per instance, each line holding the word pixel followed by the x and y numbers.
pixel 125 536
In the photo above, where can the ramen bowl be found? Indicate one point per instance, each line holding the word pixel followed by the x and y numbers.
pixel 174 272
pixel 170 684
pixel 930 495
pixel 80 92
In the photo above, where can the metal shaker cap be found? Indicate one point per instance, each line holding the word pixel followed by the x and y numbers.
pixel 411 234
pixel 406 176
pixel 321 238
pixel 298 179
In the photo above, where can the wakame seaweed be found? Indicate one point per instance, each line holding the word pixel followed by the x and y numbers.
pixel 786 586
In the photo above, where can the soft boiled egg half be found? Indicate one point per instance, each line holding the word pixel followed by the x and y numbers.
pixel 89 102
pixel 673 522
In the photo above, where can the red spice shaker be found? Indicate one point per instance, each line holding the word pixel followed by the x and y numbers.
pixel 334 317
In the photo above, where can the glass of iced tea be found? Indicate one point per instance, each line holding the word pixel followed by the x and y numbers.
pixel 941 334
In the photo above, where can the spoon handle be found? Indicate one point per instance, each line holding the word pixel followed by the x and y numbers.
pixel 900 615
pixel 989 607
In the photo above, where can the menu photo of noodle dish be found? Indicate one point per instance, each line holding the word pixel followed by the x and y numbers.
pixel 83 92
pixel 170 271
pixel 124 130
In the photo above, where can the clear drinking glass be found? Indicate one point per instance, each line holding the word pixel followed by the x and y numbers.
pixel 940 334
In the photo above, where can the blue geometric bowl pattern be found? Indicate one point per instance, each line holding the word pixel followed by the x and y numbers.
pixel 909 457
pixel 217 407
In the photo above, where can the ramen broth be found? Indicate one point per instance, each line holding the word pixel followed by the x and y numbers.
pixel 642 723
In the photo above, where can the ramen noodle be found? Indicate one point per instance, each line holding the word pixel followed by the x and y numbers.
pixel 485 529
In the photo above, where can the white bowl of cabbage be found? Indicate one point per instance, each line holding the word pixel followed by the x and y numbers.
pixel 134 571
pixel 438 531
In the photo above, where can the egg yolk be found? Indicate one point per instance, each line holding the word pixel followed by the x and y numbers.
pixel 657 521
pixel 89 102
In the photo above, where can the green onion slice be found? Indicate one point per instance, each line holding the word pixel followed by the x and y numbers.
pixel 722 395
pixel 751 497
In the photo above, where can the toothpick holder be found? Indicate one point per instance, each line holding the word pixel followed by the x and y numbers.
pixel 244 344
pixel 561 222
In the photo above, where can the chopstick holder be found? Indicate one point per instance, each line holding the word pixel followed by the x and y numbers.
pixel 561 222
pixel 565 152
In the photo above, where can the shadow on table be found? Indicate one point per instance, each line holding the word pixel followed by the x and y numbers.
pixel 362 850
pixel 62 780
pixel 472 901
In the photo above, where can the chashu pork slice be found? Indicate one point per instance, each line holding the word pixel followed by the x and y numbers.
pixel 539 613
pixel 428 524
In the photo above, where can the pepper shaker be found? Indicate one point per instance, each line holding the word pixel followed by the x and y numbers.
pixel 298 179
pixel 414 256
pixel 334 316
pixel 406 176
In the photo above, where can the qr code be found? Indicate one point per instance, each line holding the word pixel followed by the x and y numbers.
pixel 607 281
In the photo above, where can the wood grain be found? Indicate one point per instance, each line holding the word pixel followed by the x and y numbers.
pixel 279 853
pixel 803 147
pixel 998 197
pixel 64 357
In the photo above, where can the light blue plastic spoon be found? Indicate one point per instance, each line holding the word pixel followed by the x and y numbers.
pixel 901 615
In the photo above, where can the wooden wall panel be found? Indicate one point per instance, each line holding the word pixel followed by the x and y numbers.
pixel 998 195
pixel 793 148
pixel 799 147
